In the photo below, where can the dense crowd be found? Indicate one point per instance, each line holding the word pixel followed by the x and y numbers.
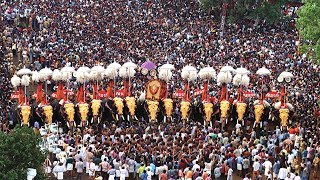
pixel 39 34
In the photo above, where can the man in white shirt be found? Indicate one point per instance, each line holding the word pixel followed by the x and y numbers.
pixel 60 169
pixel 297 177
pixel 255 167
pixel 79 167
pixel 150 174
pixel 283 173
pixel 267 166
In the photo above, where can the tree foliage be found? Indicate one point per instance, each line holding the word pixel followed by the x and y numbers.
pixel 308 24
pixel 271 10
pixel 19 150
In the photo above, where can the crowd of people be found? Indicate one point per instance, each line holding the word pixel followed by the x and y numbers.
pixel 38 34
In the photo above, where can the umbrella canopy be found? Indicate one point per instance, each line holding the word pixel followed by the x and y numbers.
pixel 263 72
pixel 167 67
pixel 114 65
pixel 227 69
pixel 129 65
pixel 207 73
pixel 24 71
pixel 286 74
pixel 67 69
pixel 84 69
pixel 149 65
pixel 45 73
pixel 98 69
pixel 242 71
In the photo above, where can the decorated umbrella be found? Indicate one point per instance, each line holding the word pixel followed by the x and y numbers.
pixel 16 82
pixel 114 65
pixel 67 72
pixel 285 107
pixel 206 74
pixel 223 78
pixel 167 66
pixel 128 71
pixel 188 73
pixel 129 65
pixel 148 65
pixel 45 73
pixel 25 108
pixel 261 103
pixel 24 71
pixel 227 69
pixel 241 79
pixel 165 74
pixel 263 72
pixel 242 71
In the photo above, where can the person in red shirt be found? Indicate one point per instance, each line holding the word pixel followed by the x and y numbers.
pixel 163 175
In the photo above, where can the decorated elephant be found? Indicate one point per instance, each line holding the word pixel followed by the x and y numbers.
pixel 25 113
pixel 168 105
pixel 184 109
pixel 48 112
pixel 284 116
pixel 131 104
pixel 95 106
pixel 208 110
pixel 241 109
pixel 258 112
pixel 83 110
pixel 224 108
pixel 69 109
pixel 284 112
pixel 153 109
pixel 119 105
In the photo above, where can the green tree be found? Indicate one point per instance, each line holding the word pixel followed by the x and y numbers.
pixel 271 10
pixel 308 24
pixel 19 150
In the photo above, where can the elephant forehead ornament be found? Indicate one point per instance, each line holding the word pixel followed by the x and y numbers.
pixel 25 113
pixel 48 112
pixel 131 104
pixel 95 105
pixel 208 110
pixel 168 105
pixel 69 107
pixel 83 109
pixel 119 105
pixel 284 116
pixel 224 107
pixel 153 108
pixel 258 111
pixel 241 109
pixel 184 108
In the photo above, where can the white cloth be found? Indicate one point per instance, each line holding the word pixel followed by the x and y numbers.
pixel 283 173
pixel 267 165
pixel 69 167
pixel 256 166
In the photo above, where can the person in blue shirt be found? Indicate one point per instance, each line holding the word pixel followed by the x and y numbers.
pixel 239 161
pixel 144 175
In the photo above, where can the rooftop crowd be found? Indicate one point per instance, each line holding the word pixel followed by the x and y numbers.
pixel 39 34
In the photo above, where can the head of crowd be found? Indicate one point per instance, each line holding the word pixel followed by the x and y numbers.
pixel 64 33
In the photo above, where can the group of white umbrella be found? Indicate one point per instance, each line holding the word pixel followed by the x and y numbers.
pixel 128 70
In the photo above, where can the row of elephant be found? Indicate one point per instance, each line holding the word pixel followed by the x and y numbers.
pixel 129 109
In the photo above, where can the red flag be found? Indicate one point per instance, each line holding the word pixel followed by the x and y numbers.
pixel 102 94
pixel 272 94
pixel 39 97
pixel 80 95
pixel 179 93
pixel 205 91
